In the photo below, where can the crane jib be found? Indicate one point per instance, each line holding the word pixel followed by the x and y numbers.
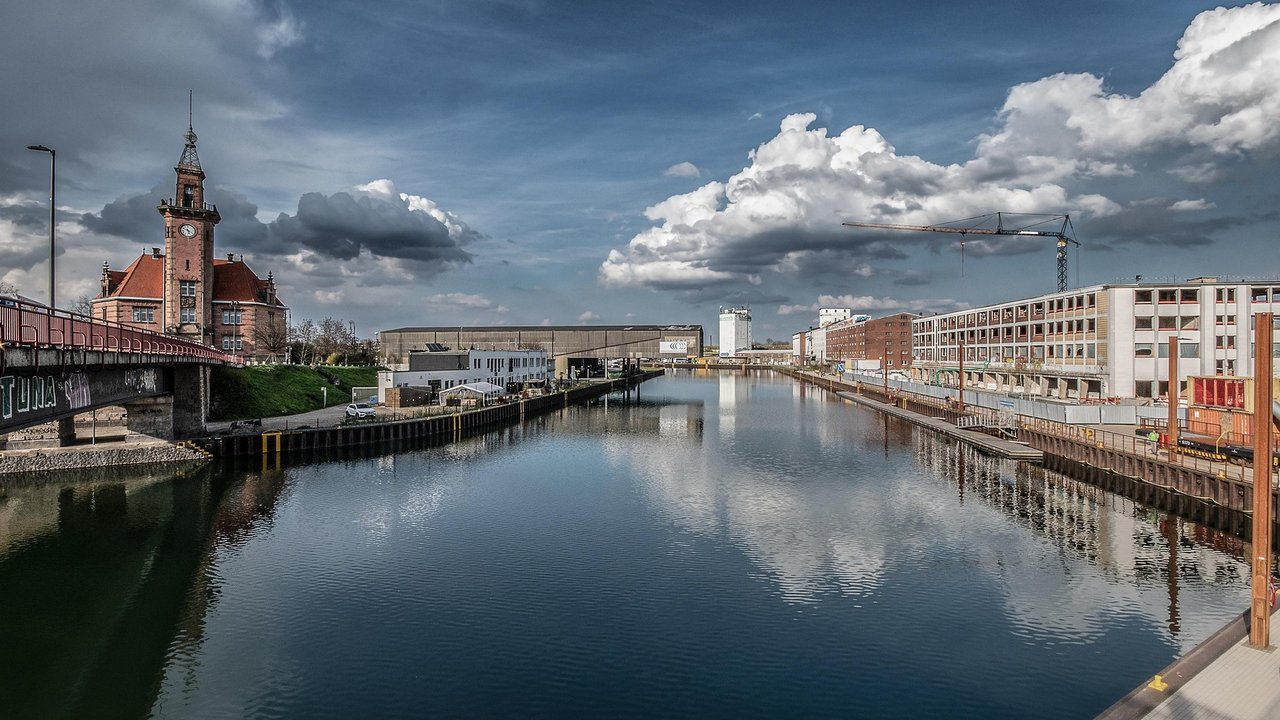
pixel 1061 235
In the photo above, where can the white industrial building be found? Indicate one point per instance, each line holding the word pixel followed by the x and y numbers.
pixel 735 330
pixel 441 369
pixel 1104 341
pixel 827 316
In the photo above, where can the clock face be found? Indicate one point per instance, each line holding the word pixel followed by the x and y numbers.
pixel 188 230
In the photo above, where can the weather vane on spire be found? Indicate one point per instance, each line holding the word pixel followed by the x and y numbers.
pixel 190 160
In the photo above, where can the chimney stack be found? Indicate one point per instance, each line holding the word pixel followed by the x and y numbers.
pixel 155 253
pixel 231 257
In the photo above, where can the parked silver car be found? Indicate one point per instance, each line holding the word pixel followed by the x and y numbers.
pixel 361 410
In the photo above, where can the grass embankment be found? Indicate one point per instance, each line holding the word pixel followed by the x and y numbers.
pixel 270 390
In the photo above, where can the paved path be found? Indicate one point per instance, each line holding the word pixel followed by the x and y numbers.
pixel 325 417
pixel 1223 678
pixel 988 443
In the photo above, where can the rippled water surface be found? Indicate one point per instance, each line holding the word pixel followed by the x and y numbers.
pixel 729 546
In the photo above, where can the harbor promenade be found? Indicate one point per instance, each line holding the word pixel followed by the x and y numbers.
pixel 1223 678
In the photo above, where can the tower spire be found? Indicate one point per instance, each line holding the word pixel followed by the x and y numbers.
pixel 190 161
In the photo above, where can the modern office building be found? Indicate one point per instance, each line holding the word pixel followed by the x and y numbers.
pixel 1104 341
pixel 735 330
pixel 442 369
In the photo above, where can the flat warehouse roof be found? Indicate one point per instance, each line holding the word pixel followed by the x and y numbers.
pixel 541 328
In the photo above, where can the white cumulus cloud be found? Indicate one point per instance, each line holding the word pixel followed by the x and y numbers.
pixel 1063 143
pixel 684 169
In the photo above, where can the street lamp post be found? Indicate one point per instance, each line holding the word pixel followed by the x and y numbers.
pixel 53 156
pixel 235 329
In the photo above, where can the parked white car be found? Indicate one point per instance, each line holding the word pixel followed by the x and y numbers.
pixel 361 410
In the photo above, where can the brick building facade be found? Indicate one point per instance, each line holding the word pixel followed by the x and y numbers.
pixel 886 339
pixel 185 291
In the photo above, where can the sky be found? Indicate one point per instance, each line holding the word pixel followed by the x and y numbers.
pixel 523 163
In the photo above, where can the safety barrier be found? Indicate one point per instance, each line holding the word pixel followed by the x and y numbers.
pixel 38 326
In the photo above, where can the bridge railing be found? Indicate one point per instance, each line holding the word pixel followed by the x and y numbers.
pixel 29 324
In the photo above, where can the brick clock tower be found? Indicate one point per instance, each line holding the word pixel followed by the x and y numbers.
pixel 188 252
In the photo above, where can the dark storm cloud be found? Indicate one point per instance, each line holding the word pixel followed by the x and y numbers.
pixel 336 226
pixel 240 228
pixel 1153 223
pixel 837 250
pixel 130 216
pixel 135 217
pixel 29 217
pixel 912 278
pixel 743 296
pixel 340 225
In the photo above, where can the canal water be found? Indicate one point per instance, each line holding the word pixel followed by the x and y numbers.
pixel 726 546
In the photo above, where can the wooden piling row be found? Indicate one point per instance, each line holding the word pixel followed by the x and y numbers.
pixel 1078 445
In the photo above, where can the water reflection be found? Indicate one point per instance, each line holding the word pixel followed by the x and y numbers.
pixel 813 520
pixel 103 580
pixel 734 545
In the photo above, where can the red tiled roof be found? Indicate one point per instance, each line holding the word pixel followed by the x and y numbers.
pixel 231 281
pixel 142 279
pixel 237 281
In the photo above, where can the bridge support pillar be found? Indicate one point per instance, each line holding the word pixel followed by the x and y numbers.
pixel 180 415
pixel 56 433
pixel 190 400
pixel 66 431
pixel 150 417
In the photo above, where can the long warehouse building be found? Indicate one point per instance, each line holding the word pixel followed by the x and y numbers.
pixel 580 346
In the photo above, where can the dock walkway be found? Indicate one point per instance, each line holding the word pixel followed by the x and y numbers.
pixel 1223 678
pixel 984 442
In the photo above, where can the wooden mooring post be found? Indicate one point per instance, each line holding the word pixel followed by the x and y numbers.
pixel 1260 608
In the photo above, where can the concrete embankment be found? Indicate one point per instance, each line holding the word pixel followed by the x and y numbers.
pixel 1117 453
pixel 44 460
pixel 432 430
pixel 396 434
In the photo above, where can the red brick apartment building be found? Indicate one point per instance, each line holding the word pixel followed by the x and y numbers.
pixel 184 291
pixel 887 339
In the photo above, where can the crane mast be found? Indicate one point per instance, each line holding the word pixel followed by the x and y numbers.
pixel 1061 235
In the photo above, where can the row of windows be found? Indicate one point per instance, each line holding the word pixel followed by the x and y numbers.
pixel 1259 294
pixel 1037 353
pixel 232 342
pixel 144 314
pixel 1185 350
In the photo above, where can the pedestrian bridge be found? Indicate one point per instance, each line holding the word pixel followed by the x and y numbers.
pixel 56 364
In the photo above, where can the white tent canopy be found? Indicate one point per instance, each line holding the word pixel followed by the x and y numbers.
pixel 486 390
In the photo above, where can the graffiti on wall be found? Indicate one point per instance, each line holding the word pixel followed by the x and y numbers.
pixel 25 394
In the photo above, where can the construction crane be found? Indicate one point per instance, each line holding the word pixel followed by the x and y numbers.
pixel 1028 223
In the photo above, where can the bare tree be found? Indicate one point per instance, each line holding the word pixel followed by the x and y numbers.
pixel 8 288
pixel 273 338
pixel 336 337
pixel 82 305
pixel 304 335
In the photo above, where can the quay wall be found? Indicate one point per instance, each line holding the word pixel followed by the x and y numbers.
pixel 437 428
pixel 1110 453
